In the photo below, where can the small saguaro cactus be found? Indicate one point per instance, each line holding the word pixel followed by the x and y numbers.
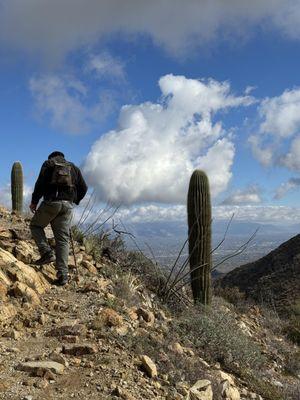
pixel 199 230
pixel 17 187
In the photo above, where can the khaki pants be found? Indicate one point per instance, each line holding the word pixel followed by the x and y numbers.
pixel 59 215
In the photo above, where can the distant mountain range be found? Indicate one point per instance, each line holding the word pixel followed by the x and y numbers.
pixel 166 239
pixel 174 233
pixel 177 229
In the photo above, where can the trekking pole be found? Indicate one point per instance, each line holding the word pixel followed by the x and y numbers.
pixel 74 256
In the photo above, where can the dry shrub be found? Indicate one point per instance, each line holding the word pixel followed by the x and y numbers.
pixel 178 367
pixel 259 385
pixel 127 287
pixel 231 294
pixel 152 275
pixel 216 333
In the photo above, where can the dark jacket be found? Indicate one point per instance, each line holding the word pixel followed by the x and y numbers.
pixel 50 192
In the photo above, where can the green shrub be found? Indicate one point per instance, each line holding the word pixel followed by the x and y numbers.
pixel 77 234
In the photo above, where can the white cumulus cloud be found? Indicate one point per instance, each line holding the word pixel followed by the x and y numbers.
pixel 281 114
pixel 279 130
pixel 155 148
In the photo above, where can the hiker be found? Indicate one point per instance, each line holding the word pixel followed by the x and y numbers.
pixel 61 184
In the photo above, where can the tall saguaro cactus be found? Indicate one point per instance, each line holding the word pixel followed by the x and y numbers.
pixel 199 224
pixel 17 187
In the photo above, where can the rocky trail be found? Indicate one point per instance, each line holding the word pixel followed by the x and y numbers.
pixel 79 362
pixel 63 342
pixel 90 339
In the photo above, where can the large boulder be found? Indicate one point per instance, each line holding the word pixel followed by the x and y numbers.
pixel 38 368
pixel 13 270
pixel 20 280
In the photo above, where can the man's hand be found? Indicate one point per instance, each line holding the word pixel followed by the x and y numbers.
pixel 32 208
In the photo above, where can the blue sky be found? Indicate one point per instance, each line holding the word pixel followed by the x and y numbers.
pixel 140 96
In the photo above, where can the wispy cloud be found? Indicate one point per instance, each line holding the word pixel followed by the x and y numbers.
pixel 105 65
pixel 250 195
pixel 5 195
pixel 64 102
pixel 284 188
pixel 279 215
pixel 152 153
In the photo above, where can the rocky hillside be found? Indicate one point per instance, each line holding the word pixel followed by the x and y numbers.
pixel 107 335
pixel 273 280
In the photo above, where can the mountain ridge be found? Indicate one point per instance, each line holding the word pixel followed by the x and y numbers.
pixel 273 279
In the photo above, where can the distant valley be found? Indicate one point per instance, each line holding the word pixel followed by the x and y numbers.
pixel 166 239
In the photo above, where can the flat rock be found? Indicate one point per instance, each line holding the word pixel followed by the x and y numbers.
pixel 39 368
pixel 79 349
pixel 71 329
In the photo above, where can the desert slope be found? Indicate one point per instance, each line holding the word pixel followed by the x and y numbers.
pixel 107 335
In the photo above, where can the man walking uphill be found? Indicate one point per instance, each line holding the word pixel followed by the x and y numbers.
pixel 61 184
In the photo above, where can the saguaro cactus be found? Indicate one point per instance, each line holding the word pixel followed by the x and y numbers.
pixel 199 224
pixel 17 187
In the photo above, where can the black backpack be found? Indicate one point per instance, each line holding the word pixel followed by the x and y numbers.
pixel 61 174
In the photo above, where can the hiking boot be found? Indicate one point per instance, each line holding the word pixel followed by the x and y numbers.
pixel 46 258
pixel 61 281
